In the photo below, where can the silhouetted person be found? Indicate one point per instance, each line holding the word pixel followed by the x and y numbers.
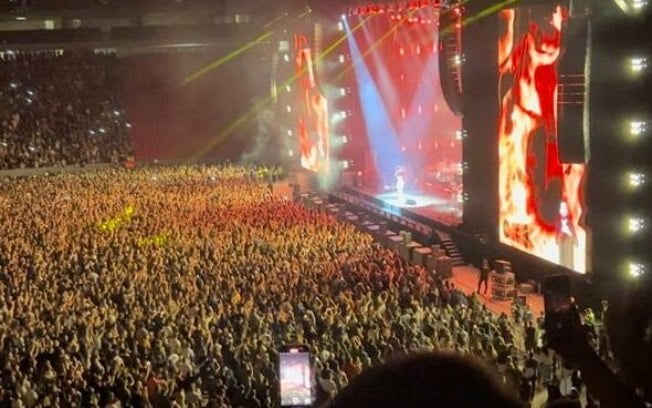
pixel 484 275
pixel 425 380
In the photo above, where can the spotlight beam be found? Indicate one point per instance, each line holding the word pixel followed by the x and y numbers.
pixel 382 135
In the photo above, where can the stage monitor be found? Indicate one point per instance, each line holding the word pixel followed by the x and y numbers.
pixel 542 207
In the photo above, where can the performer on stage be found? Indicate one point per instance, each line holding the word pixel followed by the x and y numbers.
pixel 566 237
pixel 400 182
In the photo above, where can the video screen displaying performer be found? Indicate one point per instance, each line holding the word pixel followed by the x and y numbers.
pixel 312 115
pixel 542 209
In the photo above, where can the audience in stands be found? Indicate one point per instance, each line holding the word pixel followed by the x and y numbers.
pixel 59 109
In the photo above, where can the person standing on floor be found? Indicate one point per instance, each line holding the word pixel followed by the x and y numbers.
pixel 484 275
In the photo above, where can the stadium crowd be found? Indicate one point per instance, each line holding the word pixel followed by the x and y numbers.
pixel 60 109
pixel 175 287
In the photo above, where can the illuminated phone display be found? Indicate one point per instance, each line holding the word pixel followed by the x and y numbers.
pixel 295 374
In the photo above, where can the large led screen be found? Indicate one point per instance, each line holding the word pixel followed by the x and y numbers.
pixel 312 106
pixel 542 209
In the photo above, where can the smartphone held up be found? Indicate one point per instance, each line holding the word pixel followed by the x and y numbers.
pixel 296 376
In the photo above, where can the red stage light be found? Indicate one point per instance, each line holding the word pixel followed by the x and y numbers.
pixel 419 49
pixel 401 51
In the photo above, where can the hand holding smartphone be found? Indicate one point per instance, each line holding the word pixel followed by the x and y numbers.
pixel 296 376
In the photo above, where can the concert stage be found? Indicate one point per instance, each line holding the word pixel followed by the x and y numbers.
pixel 423 207
pixel 423 218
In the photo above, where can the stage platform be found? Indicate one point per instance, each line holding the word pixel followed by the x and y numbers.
pixel 465 279
pixel 437 206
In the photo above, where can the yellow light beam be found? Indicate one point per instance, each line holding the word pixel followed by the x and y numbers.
pixel 241 50
pixel 203 71
pixel 246 116
pixel 260 104
pixel 274 21
pixel 488 11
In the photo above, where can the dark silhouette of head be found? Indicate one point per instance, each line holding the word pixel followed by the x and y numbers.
pixel 426 380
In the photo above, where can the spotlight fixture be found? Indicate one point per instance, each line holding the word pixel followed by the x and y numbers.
pixel 637 64
pixel 639 5
pixel 342 91
pixel 637 127
pixel 636 269
pixel 636 225
pixel 636 179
